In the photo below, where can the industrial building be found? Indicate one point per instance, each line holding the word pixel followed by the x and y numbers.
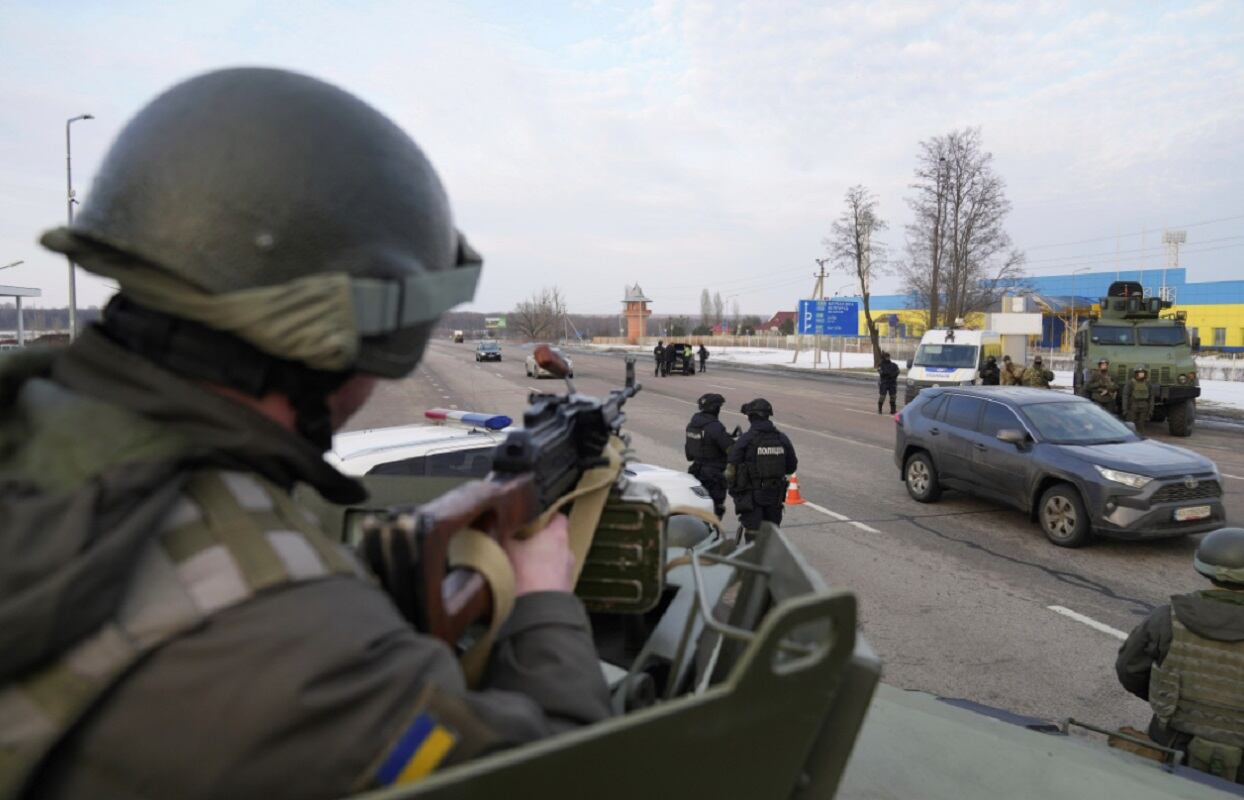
pixel 1215 309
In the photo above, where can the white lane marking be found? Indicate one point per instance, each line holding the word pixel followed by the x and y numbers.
pixel 840 517
pixel 791 427
pixel 1232 477
pixel 1089 621
pixel 498 374
pixel 858 411
pixel 723 386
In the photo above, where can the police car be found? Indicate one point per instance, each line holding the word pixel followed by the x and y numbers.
pixel 458 445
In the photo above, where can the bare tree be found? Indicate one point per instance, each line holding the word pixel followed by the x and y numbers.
pixel 959 255
pixel 854 250
pixel 539 316
pixel 706 308
pixel 719 309
pixel 734 316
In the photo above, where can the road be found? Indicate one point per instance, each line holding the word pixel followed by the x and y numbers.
pixel 962 598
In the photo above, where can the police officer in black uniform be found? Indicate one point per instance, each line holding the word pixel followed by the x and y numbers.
pixel 707 446
pixel 887 381
pixel 671 355
pixel 756 469
pixel 990 374
pixel 658 355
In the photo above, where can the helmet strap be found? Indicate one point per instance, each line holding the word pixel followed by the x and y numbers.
pixel 197 352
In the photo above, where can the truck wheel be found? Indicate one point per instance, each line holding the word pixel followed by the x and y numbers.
pixel 921 478
pixel 1063 518
pixel 1180 417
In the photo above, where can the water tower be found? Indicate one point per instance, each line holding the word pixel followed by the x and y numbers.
pixel 637 313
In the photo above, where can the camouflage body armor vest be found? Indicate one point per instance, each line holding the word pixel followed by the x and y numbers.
pixel 1140 390
pixel 1198 690
pixel 229 537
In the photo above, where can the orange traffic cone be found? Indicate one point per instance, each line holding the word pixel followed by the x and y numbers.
pixel 793 497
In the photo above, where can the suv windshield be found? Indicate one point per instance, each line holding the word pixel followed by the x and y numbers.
pixel 946 355
pixel 1112 334
pixel 1163 337
pixel 1075 423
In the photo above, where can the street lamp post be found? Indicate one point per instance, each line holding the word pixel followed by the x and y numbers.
pixel 69 201
pixel 1075 307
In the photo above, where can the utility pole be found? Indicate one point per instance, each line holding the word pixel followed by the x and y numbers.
pixel 69 201
pixel 819 294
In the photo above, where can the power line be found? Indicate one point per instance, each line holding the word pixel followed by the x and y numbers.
pixel 1137 233
pixel 1159 248
pixel 1109 268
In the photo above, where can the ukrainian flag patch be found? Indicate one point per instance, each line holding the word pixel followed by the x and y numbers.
pixel 418 752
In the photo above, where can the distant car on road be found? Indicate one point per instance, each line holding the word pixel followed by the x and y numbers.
pixel 534 370
pixel 1071 466
pixel 458 337
pixel 684 359
pixel 488 350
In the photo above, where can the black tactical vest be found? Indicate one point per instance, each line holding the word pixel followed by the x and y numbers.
pixel 767 456
pixel 696 448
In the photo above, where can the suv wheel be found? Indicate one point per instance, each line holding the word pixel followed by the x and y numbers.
pixel 921 478
pixel 1063 518
pixel 1180 417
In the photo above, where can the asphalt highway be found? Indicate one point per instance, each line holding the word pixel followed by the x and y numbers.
pixel 962 598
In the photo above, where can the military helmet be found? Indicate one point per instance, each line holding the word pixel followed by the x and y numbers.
pixel 1101 361
pixel 1037 360
pixel 310 217
pixel 759 407
pixel 711 402
pixel 1007 359
pixel 1220 556
pixel 1139 368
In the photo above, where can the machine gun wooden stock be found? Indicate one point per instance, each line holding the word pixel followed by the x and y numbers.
pixel 408 547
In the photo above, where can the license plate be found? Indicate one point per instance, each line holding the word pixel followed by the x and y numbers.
pixel 1191 513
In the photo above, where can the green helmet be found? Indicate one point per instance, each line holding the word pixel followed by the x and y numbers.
pixel 1139 368
pixel 1220 556
pixel 759 407
pixel 283 211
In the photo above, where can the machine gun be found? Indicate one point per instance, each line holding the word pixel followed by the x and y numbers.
pixel 408 547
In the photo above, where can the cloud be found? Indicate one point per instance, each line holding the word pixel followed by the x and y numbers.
pixel 681 144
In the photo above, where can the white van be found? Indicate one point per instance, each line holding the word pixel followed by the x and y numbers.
pixel 950 357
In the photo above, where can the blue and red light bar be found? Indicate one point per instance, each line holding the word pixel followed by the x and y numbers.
pixel 492 422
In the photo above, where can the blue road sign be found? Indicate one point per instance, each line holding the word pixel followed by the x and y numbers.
pixel 829 317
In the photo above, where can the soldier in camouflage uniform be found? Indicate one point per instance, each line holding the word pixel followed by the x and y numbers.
pixel 1138 398
pixel 172 623
pixel 1007 375
pixel 1186 660
pixel 1101 388
pixel 1037 376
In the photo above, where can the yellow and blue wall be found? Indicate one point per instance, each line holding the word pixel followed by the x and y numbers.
pixel 1215 308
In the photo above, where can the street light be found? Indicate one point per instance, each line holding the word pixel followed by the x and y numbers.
pixel 69 201
pixel 1075 308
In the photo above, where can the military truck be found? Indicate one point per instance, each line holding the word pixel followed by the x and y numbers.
pixel 1131 330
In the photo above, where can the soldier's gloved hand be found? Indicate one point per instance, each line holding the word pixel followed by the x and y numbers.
pixel 543 562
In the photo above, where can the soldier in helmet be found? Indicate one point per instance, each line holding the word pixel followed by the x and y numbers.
pixel 1138 398
pixel 1037 376
pixel 1186 660
pixel 757 468
pixel 1008 375
pixel 1101 388
pixel 707 445
pixel 280 247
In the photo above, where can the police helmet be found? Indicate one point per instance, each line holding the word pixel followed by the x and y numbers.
pixel 283 211
pixel 710 402
pixel 759 407
pixel 1220 556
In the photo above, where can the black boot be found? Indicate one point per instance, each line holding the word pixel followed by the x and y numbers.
pixel 879 402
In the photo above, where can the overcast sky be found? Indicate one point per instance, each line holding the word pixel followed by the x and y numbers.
pixel 683 145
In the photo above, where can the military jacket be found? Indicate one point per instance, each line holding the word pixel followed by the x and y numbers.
pixel 1101 388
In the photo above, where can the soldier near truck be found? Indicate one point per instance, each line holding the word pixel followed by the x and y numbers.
pixel 1138 398
pixel 1133 329
pixel 1037 376
pixel 1010 373
pixel 1101 388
